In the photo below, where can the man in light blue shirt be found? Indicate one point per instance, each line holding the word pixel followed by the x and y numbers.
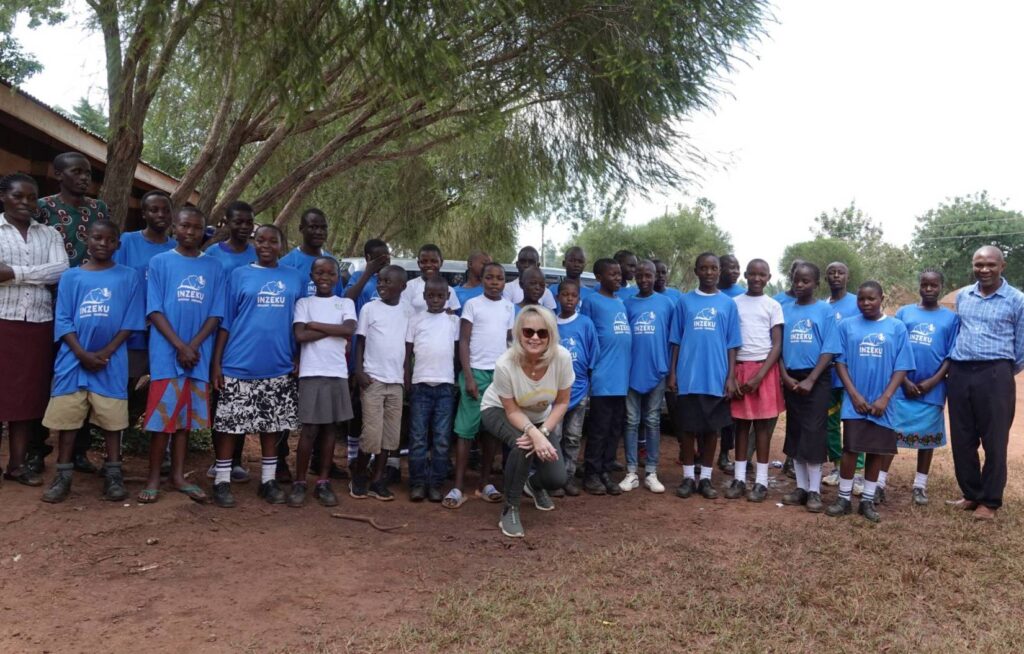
pixel 988 352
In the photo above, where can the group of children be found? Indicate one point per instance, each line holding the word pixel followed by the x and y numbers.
pixel 244 338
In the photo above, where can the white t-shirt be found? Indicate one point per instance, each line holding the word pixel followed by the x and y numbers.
pixel 433 337
pixel 758 314
pixel 383 326
pixel 325 357
pixel 491 321
pixel 412 297
pixel 533 397
pixel 514 293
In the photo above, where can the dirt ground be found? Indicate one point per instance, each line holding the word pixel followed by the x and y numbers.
pixel 175 576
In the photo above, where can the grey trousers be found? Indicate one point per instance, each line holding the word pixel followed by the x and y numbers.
pixel 549 475
pixel 572 435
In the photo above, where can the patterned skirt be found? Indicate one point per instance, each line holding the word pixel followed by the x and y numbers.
pixel 254 406
pixel 919 426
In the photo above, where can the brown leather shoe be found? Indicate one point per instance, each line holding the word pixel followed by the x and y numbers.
pixel 984 513
pixel 965 504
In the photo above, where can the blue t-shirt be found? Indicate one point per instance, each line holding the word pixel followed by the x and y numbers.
pixel 369 292
pixel 303 262
pixel 464 294
pixel 579 336
pixel 872 350
pixel 625 292
pixel 95 305
pixel 673 294
pixel 230 259
pixel 784 299
pixel 931 335
pixel 611 368
pixel 734 290
pixel 584 292
pixel 843 309
pixel 136 252
pixel 809 330
pixel 187 291
pixel 650 318
pixel 258 310
pixel 705 327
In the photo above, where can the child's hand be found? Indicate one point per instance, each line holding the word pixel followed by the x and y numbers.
pixel 670 383
pixel 911 389
pixel 216 376
pixel 471 388
pixel 860 405
pixel 187 356
pixel 877 408
pixel 804 386
pixel 93 361
pixel 363 380
pixel 374 266
pixel 750 386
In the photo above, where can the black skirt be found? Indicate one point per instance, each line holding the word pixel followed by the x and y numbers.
pixel 701 414
pixel 807 419
pixel 868 437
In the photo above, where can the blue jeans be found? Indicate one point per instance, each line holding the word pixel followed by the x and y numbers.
pixel 644 407
pixel 431 410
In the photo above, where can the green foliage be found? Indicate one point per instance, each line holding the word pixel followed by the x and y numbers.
pixel 15 64
pixel 821 252
pixel 947 236
pixel 90 117
pixel 675 238
pixel 849 224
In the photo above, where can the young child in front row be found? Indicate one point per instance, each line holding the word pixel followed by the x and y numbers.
pixel 874 359
pixel 380 373
pixel 484 333
pixel 99 304
pixel 758 400
pixel 809 343
pixel 532 283
pixel 430 381
pixel 705 339
pixel 322 323
pixel 578 335
pixel 185 304
pixel 254 364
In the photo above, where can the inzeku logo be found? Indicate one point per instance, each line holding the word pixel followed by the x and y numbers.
pixel 620 325
pixel 706 319
pixel 872 345
pixel 802 331
pixel 95 303
pixel 922 333
pixel 272 295
pixel 191 289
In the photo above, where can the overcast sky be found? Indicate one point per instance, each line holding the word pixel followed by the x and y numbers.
pixel 894 105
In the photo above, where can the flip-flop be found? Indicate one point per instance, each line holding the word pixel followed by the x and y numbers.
pixel 147 496
pixel 490 494
pixel 454 499
pixel 194 493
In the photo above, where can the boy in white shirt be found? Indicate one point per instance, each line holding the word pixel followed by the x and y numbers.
pixel 430 383
pixel 484 334
pixel 380 373
pixel 322 325
pixel 430 261
pixel 513 292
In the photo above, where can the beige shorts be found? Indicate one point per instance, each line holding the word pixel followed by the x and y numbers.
pixel 70 412
pixel 382 417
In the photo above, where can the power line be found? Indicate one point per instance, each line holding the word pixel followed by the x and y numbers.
pixel 977 222
pixel 943 238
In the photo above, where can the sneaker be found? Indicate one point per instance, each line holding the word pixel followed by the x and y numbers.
pixel 298 496
pixel 814 503
pixel 858 485
pixel 540 497
pixel 59 490
pixel 832 478
pixel 757 493
pixel 686 488
pixel 630 482
pixel 571 489
pixel 593 485
pixel 434 494
pixel 239 474
pixel 418 493
pixel 724 464
pixel 653 484
pixel 610 486
pixel 867 509
pixel 920 497
pixel 379 491
pixel 325 494
pixel 113 485
pixel 509 522
pixel 222 496
pixel 736 490
pixel 271 492
pixel 357 487
pixel 880 495
pixel 796 497
pixel 839 507
pixel 707 489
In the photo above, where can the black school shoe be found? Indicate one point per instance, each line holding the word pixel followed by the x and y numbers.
pixel 867 509
pixel 725 465
pixel 758 493
pixel 880 495
pixel 113 485
pixel 379 491
pixel 838 508
pixel 814 503
pixel 434 494
pixel 298 496
pixel 25 476
pixel 736 490
pixel 593 485
pixel 83 464
pixel 325 494
pixel 357 488
pixel 707 489
pixel 418 493
pixel 687 488
pixel 271 492
pixel 571 488
pixel 59 489
pixel 796 497
pixel 222 496
pixel 610 487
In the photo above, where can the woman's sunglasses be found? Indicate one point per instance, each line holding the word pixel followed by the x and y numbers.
pixel 530 332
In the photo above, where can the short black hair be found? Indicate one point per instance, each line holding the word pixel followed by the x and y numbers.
pixel 568 281
pixel 871 284
pixel 493 264
pixel 371 245
pixel 280 232
pixel 430 247
pixel 527 248
pixel 622 254
pixel 602 264
pixel 392 268
pixel 704 255
pixel 65 159
pixel 753 261
pixel 575 248
pixel 319 259
pixel 108 224
pixel 728 256
pixel 237 205
pixel 815 271
pixel 188 208
pixel 644 261
pixel 155 193
pixel 434 281
pixel 7 181
pixel 932 271
pixel 311 211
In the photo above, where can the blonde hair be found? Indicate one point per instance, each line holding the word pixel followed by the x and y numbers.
pixel 548 318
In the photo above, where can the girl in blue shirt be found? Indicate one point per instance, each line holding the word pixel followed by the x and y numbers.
pixel 579 336
pixel 254 363
pixel 874 358
pixel 918 404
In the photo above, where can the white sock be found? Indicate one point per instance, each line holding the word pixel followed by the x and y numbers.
pixel 741 471
pixel 762 474
pixel 845 488
pixel 269 469
pixel 882 476
pixel 921 480
pixel 223 471
pixel 800 468
pixel 813 477
pixel 688 472
pixel 705 472
pixel 869 491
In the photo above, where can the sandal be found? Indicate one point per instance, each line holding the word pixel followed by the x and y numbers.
pixel 490 494
pixel 148 496
pixel 454 499
pixel 194 493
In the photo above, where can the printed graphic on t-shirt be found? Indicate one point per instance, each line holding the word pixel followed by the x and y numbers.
pixel 706 319
pixel 569 343
pixel 271 295
pixel 871 345
pixel 802 332
pixel 923 333
pixel 95 303
pixel 645 323
pixel 191 289
pixel 621 324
